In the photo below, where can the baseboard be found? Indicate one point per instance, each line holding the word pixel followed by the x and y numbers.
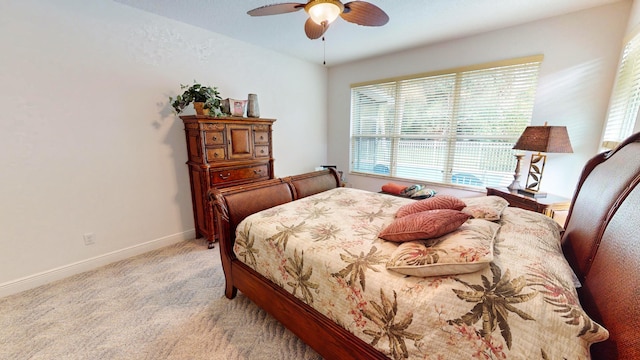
pixel 45 277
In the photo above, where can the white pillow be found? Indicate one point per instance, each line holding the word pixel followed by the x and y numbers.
pixel 485 207
pixel 467 249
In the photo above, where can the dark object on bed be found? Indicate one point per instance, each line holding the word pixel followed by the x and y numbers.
pixel 601 242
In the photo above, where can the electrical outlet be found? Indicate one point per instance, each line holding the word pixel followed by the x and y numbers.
pixel 89 238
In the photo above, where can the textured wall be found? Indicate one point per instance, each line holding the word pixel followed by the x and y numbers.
pixel 633 29
pixel 88 142
pixel 581 52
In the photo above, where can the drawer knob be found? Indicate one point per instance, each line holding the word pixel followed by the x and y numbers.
pixel 223 177
pixel 216 155
pixel 215 138
pixel 261 137
pixel 257 171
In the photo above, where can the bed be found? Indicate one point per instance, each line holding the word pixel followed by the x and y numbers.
pixel 352 295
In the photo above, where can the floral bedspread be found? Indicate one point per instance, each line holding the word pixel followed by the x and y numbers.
pixel 324 250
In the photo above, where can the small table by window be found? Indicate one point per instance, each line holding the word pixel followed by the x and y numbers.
pixel 554 206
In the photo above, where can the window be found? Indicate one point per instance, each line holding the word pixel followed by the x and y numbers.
pixel 625 100
pixel 452 127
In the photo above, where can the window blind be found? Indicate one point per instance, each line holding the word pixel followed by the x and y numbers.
pixel 625 101
pixel 452 127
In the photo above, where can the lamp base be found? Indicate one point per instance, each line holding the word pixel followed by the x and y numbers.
pixel 532 193
pixel 536 167
pixel 515 185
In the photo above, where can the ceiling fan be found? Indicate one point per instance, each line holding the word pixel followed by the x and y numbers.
pixel 323 12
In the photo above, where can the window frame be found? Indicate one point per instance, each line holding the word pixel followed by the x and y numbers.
pixel 447 170
pixel 624 105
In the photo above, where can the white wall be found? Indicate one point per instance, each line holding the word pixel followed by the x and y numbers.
pixel 633 28
pixel 581 52
pixel 88 142
pixel 634 17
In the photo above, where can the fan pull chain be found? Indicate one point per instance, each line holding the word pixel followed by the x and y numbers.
pixel 324 52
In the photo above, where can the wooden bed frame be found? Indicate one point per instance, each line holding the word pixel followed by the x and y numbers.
pixel 601 242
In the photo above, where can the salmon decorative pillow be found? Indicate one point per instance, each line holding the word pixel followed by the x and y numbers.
pixel 423 225
pixel 432 203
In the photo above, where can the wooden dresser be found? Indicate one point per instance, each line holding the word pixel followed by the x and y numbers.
pixel 224 152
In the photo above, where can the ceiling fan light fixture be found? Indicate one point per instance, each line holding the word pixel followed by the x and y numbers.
pixel 321 11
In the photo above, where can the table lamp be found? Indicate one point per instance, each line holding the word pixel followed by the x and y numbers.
pixel 541 139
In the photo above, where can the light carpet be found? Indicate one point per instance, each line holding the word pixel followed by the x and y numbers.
pixel 165 304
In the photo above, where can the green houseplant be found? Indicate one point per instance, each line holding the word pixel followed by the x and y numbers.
pixel 208 96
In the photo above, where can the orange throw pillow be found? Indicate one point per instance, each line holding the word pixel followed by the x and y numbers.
pixel 424 225
pixel 392 188
pixel 432 203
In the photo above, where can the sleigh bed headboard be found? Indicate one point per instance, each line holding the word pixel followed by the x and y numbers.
pixel 237 202
pixel 602 244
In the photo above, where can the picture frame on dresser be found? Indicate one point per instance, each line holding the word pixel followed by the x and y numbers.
pixel 222 152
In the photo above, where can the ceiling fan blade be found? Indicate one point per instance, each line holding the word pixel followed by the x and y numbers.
pixel 314 30
pixel 364 13
pixel 276 9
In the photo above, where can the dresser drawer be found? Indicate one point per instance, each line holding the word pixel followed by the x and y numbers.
pixel 262 151
pixel 261 137
pixel 213 138
pixel 243 174
pixel 213 127
pixel 215 155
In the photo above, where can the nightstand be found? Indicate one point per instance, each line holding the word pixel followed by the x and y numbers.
pixel 554 206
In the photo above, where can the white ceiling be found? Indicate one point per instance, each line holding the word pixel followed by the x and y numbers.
pixel 412 23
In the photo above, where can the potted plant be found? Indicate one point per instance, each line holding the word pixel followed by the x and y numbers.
pixel 206 100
